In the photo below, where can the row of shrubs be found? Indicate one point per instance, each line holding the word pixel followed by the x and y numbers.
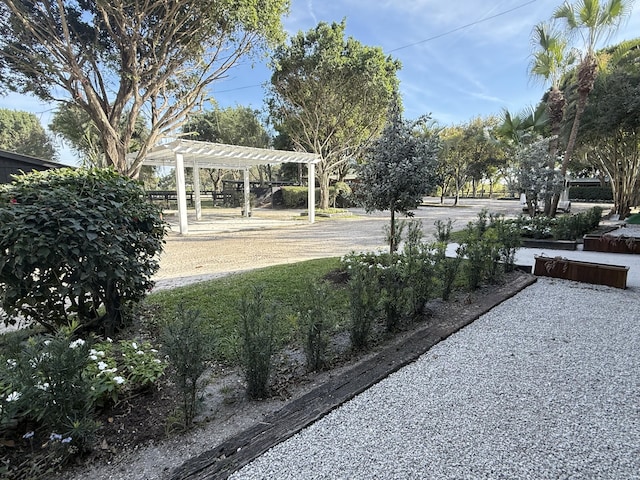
pixel 565 227
pixel 591 194
pixel 297 197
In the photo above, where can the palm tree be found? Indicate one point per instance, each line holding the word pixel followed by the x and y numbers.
pixel 550 62
pixel 594 22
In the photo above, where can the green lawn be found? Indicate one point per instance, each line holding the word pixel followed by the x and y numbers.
pixel 285 286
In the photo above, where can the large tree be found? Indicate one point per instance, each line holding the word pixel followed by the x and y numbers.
pixel 551 60
pixel 593 22
pixel 118 60
pixel 232 125
pixel 330 95
pixel 22 132
pixel 399 169
pixel 610 138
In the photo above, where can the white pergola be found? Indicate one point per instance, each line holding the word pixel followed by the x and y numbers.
pixel 182 154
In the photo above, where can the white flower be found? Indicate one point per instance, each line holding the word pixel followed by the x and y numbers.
pixel 157 360
pixel 11 363
pixel 76 343
pixel 119 380
pixel 14 396
pixel 154 350
pixel 28 434
pixel 109 340
pixel 140 352
pixel 43 386
pixel 93 357
pixel 55 436
pixel 95 352
pixel 47 342
pixel 102 365
pixel 134 345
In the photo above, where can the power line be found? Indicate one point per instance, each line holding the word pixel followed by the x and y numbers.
pixel 440 35
pixel 463 27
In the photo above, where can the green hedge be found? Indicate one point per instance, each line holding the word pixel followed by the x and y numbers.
pixel 591 194
pixel 296 197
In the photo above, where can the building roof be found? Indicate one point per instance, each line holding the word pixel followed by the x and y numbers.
pixel 31 161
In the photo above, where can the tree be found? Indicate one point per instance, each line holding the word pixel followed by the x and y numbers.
pixel 468 151
pixel 536 180
pixel 399 169
pixel 594 22
pixel 22 132
pixel 610 138
pixel 76 128
pixel 234 126
pixel 330 95
pixel 119 61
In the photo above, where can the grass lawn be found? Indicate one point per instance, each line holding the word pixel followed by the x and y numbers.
pixel 285 286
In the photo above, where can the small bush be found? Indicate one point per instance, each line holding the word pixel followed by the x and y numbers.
pixel 573 227
pixel 316 323
pixel 189 349
pixel 363 308
pixel 45 381
pixel 443 230
pixel 258 337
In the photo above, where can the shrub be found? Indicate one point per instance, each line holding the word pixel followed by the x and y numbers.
pixel 45 381
pixel 591 194
pixel 76 244
pixel 258 337
pixel 573 227
pixel 363 307
pixel 316 323
pixel 489 246
pixel 443 230
pixel 189 349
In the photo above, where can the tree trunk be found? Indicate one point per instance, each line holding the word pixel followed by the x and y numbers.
pixel 392 232
pixel 586 79
pixel 324 190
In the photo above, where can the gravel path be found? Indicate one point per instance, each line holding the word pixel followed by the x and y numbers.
pixel 547 385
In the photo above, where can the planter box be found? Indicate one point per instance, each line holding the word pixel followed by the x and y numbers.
pixel 611 243
pixel 587 272
pixel 549 244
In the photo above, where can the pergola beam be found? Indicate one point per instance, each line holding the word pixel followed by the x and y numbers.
pixel 198 155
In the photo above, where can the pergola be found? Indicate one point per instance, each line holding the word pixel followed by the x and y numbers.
pixel 182 154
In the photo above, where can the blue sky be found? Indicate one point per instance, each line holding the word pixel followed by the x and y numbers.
pixel 474 71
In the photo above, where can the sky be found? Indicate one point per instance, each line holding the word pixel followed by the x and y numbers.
pixel 460 58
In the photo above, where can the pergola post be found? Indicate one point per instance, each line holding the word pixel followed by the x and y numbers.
pixel 196 189
pixel 247 193
pixel 182 194
pixel 312 192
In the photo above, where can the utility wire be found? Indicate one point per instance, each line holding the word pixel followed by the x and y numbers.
pixel 463 27
pixel 449 32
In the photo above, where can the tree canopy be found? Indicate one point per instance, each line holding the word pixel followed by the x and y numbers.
pixel 610 129
pixel 399 169
pixel 330 96
pixel 22 132
pixel 119 60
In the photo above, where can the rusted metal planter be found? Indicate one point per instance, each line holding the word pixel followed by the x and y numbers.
pixel 587 272
pixel 611 243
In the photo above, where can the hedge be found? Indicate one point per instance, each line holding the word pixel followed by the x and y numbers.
pixel 591 194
